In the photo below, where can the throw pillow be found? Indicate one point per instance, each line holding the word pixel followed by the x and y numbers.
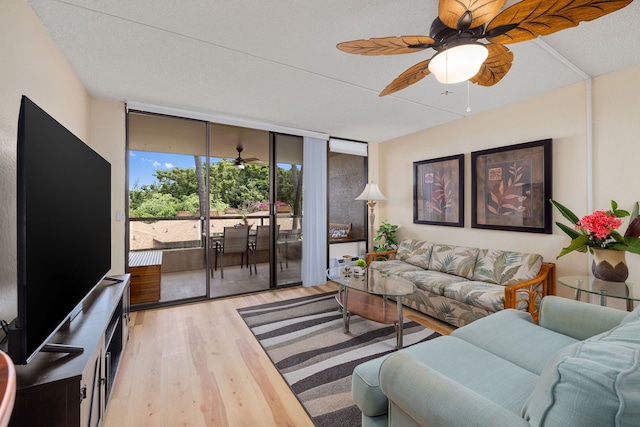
pixel 456 260
pixel 506 267
pixel 415 252
pixel 591 383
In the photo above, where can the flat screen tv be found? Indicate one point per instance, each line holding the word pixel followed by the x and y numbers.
pixel 64 228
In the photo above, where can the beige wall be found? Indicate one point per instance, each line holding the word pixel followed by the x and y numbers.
pixel 32 65
pixel 561 115
pixel 108 135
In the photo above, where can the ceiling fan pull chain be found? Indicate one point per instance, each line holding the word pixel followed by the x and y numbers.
pixel 468 101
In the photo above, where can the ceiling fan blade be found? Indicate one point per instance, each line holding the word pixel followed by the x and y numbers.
pixel 532 18
pixel 409 77
pixel 495 67
pixel 386 45
pixel 465 14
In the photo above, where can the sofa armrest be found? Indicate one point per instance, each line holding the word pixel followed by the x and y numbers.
pixel 380 256
pixel 537 288
pixel 432 399
pixel 579 320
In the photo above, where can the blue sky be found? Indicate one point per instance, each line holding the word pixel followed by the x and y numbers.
pixel 143 164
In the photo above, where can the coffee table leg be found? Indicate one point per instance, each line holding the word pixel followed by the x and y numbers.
pixel 400 322
pixel 345 310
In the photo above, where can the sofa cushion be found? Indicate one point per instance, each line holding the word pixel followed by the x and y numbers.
pixel 483 295
pixel 511 335
pixel 506 267
pixel 457 260
pixel 415 252
pixel 592 382
pixel 394 266
pixel 494 378
pixel 365 388
pixel 432 281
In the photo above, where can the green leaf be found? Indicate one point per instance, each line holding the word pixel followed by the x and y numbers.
pixel 618 213
pixel 633 245
pixel 617 237
pixel 579 244
pixel 565 212
pixel 634 213
pixel 570 231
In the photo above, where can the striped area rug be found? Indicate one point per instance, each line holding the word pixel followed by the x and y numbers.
pixel 305 340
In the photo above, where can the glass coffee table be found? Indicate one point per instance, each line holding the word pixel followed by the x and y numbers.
pixel 366 301
pixel 602 288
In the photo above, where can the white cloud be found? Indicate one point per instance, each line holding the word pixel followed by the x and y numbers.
pixel 168 165
pixel 155 164
pixel 132 154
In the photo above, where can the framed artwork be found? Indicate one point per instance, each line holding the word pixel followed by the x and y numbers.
pixel 438 191
pixel 511 188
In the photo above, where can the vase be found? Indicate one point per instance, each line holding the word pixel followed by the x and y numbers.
pixel 610 265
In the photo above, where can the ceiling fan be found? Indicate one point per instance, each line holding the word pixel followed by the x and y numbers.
pixel 239 161
pixel 460 24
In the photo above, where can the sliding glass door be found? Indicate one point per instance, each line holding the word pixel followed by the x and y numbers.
pixel 193 184
pixel 239 174
pixel 287 212
pixel 167 194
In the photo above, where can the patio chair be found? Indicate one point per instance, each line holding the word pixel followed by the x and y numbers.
pixel 261 243
pixel 235 240
pixel 284 239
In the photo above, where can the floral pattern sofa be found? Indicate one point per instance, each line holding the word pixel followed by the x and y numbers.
pixel 459 284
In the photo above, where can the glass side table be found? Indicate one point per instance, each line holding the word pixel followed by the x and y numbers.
pixel 602 288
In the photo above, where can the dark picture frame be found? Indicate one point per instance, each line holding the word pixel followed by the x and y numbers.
pixel 511 187
pixel 438 191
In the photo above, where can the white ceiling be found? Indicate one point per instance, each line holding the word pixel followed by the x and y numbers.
pixel 276 61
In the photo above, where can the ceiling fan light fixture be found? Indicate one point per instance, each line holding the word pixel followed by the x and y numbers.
pixel 458 63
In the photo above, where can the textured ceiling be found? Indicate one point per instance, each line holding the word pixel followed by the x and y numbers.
pixel 276 61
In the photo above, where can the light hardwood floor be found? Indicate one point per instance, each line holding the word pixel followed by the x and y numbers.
pixel 200 365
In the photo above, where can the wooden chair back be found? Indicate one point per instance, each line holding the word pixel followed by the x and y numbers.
pixel 7 388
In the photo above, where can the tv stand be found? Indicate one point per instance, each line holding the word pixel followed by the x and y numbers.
pixel 61 348
pixel 73 389
pixel 113 280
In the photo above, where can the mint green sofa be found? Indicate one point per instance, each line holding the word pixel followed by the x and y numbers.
pixel 579 367
pixel 460 284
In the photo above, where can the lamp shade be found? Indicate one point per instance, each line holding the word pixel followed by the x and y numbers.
pixel 458 63
pixel 371 192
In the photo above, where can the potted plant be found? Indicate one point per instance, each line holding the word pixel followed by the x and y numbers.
pixel 359 267
pixel 597 234
pixel 387 234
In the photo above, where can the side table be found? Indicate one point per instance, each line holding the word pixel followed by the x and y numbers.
pixel 591 285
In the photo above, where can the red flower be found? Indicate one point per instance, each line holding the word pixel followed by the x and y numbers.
pixel 599 223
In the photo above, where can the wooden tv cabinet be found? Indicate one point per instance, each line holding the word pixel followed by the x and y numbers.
pixel 69 390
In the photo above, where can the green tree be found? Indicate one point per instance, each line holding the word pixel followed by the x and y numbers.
pixel 177 181
pixel 158 205
pixel 181 189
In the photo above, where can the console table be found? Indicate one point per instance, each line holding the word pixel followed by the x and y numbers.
pixel 601 288
pixel 69 390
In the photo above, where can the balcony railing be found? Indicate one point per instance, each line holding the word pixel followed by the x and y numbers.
pixel 186 231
